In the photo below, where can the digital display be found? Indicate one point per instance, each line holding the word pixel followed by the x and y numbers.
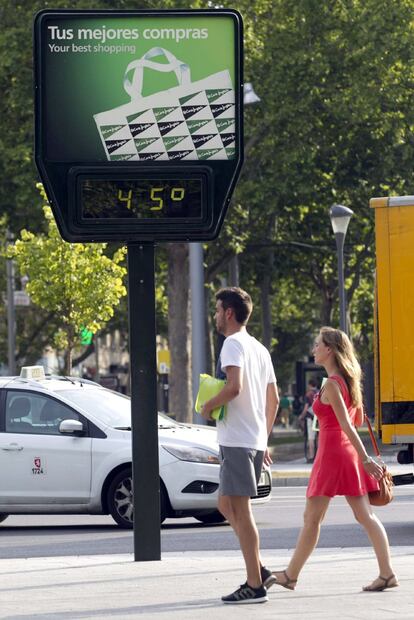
pixel 141 199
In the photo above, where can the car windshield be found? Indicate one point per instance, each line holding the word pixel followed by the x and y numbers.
pixel 111 408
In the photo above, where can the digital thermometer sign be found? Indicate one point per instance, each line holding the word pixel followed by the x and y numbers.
pixel 138 114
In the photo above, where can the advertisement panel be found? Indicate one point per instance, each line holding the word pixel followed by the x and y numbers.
pixel 139 88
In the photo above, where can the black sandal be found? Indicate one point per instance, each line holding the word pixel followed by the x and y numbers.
pixel 288 584
pixel 383 586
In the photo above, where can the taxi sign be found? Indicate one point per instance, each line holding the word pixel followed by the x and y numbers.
pixel 33 372
pixel 139 121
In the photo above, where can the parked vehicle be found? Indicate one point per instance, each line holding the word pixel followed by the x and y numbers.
pixel 394 332
pixel 65 448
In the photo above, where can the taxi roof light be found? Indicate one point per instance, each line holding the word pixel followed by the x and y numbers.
pixel 33 372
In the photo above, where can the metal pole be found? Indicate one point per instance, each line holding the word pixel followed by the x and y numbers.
pixel 234 271
pixel 143 364
pixel 198 319
pixel 340 238
pixel 11 315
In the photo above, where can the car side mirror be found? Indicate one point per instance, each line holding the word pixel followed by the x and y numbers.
pixel 71 427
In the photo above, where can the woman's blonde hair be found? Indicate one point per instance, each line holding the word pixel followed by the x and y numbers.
pixel 346 361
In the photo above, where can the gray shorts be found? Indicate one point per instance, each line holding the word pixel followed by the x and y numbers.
pixel 240 470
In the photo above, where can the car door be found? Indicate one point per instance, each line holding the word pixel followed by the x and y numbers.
pixel 38 464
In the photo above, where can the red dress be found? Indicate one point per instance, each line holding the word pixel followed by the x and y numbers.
pixel 337 469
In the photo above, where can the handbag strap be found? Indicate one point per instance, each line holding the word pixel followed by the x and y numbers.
pixel 371 432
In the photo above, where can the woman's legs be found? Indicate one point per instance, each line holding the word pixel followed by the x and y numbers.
pixel 315 511
pixel 376 533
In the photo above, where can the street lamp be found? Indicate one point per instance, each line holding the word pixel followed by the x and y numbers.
pixel 340 217
pixel 249 96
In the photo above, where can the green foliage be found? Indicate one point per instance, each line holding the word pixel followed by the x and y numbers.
pixel 78 282
pixel 335 124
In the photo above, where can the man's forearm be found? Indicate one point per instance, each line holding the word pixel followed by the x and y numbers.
pixel 272 406
pixel 270 419
pixel 227 394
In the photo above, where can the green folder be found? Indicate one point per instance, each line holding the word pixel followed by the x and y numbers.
pixel 209 387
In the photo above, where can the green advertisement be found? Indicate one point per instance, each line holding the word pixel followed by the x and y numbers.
pixel 139 87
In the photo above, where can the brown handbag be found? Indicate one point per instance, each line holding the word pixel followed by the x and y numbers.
pixel 385 494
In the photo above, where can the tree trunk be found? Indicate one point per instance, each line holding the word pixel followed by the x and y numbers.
pixel 86 353
pixel 68 357
pixel 328 299
pixel 68 360
pixel 179 333
pixel 326 288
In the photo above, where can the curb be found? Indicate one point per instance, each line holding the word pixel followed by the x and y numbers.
pixel 290 478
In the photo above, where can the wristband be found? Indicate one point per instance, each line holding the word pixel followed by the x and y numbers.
pixel 367 460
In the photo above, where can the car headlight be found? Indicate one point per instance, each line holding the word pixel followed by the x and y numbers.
pixel 192 454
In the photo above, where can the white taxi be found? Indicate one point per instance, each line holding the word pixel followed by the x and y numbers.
pixel 65 448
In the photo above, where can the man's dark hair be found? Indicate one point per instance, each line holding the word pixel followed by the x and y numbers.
pixel 312 382
pixel 238 300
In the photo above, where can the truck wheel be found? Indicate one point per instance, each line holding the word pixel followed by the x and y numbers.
pixel 404 457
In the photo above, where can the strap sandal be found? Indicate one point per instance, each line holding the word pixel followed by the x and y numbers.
pixel 289 584
pixel 382 586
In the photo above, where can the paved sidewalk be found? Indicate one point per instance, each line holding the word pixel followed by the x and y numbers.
pixel 189 585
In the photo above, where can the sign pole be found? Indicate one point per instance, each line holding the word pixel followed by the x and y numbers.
pixel 143 364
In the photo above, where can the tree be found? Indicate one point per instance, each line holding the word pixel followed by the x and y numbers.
pixel 334 125
pixel 179 332
pixel 78 282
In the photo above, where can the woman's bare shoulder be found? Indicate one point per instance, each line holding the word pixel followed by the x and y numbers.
pixel 332 387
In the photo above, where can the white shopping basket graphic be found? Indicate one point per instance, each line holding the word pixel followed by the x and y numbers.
pixel 192 121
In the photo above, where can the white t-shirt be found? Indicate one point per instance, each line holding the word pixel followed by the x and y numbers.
pixel 245 423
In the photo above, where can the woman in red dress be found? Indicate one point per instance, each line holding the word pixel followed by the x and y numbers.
pixel 342 465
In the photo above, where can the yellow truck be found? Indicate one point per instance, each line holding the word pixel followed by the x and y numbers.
pixel 394 325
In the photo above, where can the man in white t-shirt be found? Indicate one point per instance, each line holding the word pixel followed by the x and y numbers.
pixel 252 401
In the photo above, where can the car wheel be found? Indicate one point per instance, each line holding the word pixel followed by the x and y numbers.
pixel 164 503
pixel 211 517
pixel 3 516
pixel 121 499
